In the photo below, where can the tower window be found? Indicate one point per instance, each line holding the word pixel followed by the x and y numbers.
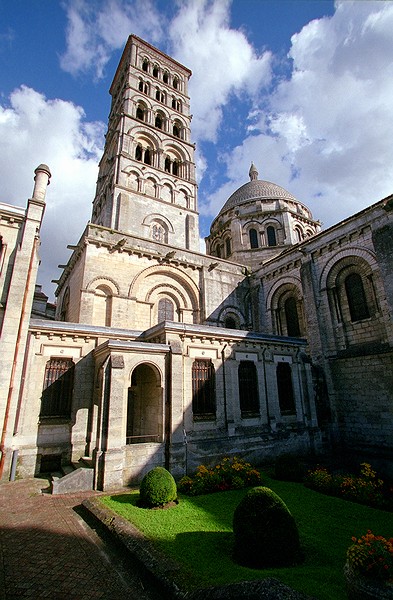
pixel 165 77
pixel 176 130
pixel 248 388
pixel 175 167
pixel 166 310
pixel 143 87
pixel 176 83
pixel 140 114
pixel 253 238
pixel 155 71
pixel 158 122
pixel 147 157
pixel 160 96
pixel 228 248
pixel 138 152
pixel 168 165
pixel 271 236
pixel 356 297
pixel 203 390
pixel 145 65
pixel 176 105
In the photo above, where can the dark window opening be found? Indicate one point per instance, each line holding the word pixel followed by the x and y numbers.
pixel 248 389
pixel 167 165
pixel 291 317
pixel 140 114
pixel 158 122
pixel 141 86
pixel 271 236
pixel 175 167
pixel 253 238
pixel 176 131
pixel 155 71
pixel 165 77
pixel 285 389
pixel 138 152
pixel 357 303
pixel 228 248
pixel 145 65
pixel 147 159
pixel 57 390
pixel 175 83
pixel 230 323
pixel 203 390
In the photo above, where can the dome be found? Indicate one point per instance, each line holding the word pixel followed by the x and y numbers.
pixel 257 189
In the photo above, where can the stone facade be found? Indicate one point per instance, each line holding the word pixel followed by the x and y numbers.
pixel 278 340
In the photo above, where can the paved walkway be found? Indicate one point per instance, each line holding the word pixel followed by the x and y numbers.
pixel 48 551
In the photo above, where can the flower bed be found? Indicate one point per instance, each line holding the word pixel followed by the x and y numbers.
pixel 366 488
pixel 230 474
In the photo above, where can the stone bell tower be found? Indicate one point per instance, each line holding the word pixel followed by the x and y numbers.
pixel 146 184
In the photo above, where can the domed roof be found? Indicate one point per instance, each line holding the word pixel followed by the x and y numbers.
pixel 257 189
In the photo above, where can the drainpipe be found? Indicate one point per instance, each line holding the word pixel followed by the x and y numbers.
pixel 42 176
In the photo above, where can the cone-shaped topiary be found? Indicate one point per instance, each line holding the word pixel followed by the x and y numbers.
pixel 157 488
pixel 266 534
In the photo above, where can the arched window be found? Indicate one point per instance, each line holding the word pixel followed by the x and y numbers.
pixel 356 297
pixel 271 236
pixel 248 389
pixel 165 77
pixel 158 121
pixel 138 152
pixel 168 165
pixel 285 389
pixel 145 65
pixel 292 317
pixel 176 130
pixel 175 167
pixel 143 87
pixel 147 158
pixel 253 238
pixel 228 249
pixel 140 113
pixel 176 82
pixel 140 86
pixel 230 322
pixel 57 389
pixel 299 234
pixel 155 71
pixel 166 311
pixel 176 105
pixel 203 390
pixel 160 96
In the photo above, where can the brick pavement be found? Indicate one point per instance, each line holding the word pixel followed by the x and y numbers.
pixel 48 551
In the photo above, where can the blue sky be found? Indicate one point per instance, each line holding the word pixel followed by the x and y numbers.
pixel 302 88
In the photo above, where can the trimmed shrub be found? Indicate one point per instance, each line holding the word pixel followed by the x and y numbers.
pixel 157 488
pixel 266 534
pixel 288 468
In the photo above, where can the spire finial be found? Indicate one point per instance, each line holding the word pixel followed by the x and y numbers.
pixel 253 173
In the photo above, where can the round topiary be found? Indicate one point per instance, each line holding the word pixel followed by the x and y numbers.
pixel 157 488
pixel 266 534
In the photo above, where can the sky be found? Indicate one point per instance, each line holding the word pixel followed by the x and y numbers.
pixel 303 88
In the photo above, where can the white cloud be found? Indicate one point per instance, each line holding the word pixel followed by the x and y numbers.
pixel 96 29
pixel 327 134
pixel 222 60
pixel 36 130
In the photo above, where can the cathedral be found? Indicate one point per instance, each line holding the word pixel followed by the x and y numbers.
pixel 278 340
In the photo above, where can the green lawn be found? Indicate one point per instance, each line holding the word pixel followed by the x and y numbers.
pixel 198 534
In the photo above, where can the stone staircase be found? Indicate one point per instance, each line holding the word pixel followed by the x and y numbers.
pixel 76 477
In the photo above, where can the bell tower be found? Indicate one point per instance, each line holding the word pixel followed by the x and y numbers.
pixel 146 184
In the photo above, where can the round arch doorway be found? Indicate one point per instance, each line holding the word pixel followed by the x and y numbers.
pixel 145 406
